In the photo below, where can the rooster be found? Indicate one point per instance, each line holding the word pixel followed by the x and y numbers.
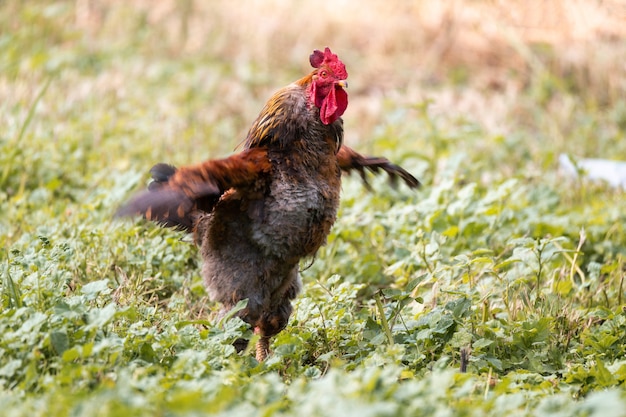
pixel 257 213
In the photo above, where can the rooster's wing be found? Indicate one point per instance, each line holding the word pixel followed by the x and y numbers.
pixel 175 194
pixel 350 160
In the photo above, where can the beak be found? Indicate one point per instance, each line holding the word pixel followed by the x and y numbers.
pixel 342 83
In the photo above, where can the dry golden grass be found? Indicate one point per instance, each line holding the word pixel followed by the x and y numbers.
pixel 471 59
pixel 397 50
pixel 401 38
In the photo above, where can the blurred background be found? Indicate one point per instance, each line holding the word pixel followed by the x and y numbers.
pixel 395 50
pixel 472 59
pixel 492 88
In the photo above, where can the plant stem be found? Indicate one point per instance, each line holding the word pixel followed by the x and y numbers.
pixel 383 319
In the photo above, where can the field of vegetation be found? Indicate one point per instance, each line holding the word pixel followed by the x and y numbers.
pixel 501 264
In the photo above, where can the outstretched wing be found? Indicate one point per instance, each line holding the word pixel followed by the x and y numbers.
pixel 175 194
pixel 350 160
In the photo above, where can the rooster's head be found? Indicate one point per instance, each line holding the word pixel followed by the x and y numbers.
pixel 327 87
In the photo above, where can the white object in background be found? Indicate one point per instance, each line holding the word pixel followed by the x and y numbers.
pixel 613 172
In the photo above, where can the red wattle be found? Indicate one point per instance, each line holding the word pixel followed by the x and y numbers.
pixel 333 105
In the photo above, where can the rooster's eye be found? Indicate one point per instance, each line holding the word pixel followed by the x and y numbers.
pixel 324 74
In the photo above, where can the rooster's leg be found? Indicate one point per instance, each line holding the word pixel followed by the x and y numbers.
pixel 262 348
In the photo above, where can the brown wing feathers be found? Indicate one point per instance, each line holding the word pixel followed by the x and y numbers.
pixel 174 194
pixel 350 160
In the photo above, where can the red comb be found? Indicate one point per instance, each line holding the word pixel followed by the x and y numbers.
pixel 319 58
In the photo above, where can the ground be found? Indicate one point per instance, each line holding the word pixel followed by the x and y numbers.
pixel 500 255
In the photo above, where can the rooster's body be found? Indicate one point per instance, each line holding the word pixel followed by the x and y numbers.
pixel 256 214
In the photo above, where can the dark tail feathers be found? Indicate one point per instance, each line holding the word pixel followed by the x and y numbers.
pixel 161 174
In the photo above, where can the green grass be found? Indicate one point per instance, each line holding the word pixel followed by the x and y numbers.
pixel 498 254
